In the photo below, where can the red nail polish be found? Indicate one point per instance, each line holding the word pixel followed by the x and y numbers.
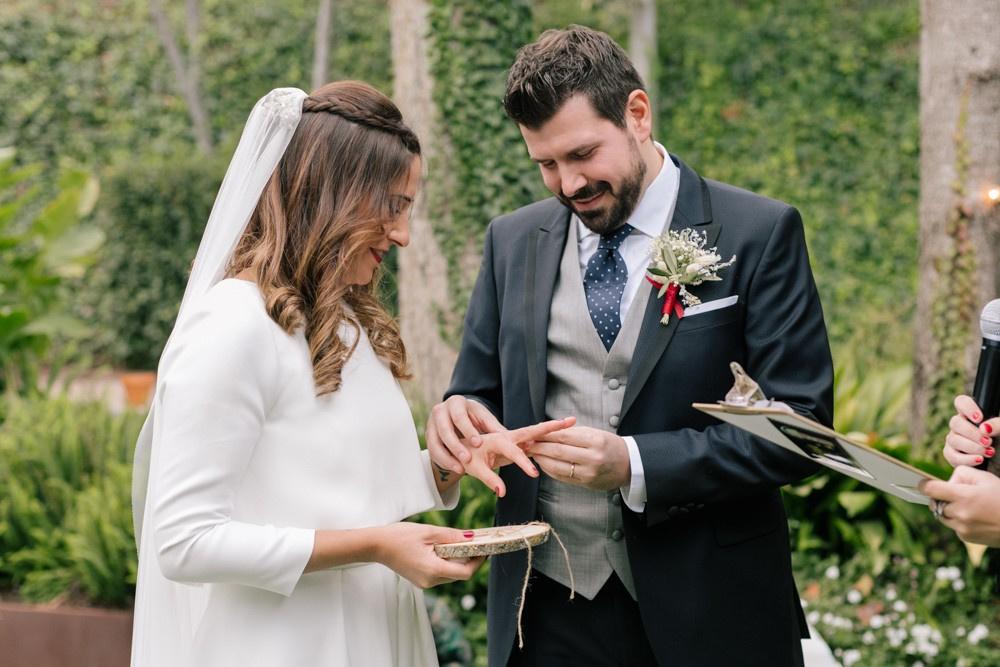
pixel 468 534
pixel 984 440
pixel 987 428
pixel 977 418
pixel 990 452
pixel 979 459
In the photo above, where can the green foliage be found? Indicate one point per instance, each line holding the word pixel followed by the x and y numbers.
pixel 91 81
pixel 42 243
pixel 155 211
pixel 814 103
pixel 65 512
pixel 940 612
pixel 484 171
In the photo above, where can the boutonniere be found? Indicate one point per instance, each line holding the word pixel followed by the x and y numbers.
pixel 681 260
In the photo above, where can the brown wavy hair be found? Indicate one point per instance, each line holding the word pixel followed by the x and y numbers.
pixel 328 201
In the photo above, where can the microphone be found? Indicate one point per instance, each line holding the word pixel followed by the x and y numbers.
pixel 986 391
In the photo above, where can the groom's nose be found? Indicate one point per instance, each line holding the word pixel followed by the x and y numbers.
pixel 571 181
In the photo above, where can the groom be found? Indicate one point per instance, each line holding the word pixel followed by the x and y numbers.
pixel 673 522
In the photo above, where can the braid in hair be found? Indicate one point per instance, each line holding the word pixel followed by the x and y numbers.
pixel 386 120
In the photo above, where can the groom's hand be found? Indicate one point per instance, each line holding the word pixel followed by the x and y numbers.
pixel 584 456
pixel 453 421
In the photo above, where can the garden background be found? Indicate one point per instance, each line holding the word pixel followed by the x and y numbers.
pixel 119 117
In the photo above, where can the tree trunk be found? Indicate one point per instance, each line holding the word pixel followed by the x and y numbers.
pixel 321 49
pixel 423 271
pixel 959 228
pixel 642 44
pixel 186 74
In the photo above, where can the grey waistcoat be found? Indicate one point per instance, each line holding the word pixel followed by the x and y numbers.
pixel 588 382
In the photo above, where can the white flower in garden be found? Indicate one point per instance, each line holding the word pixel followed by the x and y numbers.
pixel 890 594
pixel 958 584
pixel 911 649
pixel 941 573
pixel 851 657
pixel 896 636
pixel 832 572
pixel 954 573
pixel 868 637
pixel 468 602
pixel 813 617
pixel 978 633
pixel 899 606
pixel 854 596
pixel 877 621
pixel 960 631
pixel 918 664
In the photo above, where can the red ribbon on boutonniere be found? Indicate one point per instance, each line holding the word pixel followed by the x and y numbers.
pixel 670 301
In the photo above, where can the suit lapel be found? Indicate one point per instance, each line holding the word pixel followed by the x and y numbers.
pixel 693 209
pixel 545 249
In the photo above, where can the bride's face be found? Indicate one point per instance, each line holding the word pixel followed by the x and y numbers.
pixel 397 230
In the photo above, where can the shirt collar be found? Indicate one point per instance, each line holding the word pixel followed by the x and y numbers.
pixel 650 214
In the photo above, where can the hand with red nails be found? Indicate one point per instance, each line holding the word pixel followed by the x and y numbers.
pixel 454 427
pixel 969 504
pixel 502 448
pixel 408 549
pixel 970 439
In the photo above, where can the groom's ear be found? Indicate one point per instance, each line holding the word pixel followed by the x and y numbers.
pixel 639 115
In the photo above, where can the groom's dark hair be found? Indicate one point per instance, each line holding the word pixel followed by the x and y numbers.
pixel 563 63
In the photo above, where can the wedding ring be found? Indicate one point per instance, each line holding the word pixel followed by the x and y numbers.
pixel 938 509
pixel 572 470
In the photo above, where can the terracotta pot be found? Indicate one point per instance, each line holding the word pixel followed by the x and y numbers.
pixel 138 387
pixel 40 636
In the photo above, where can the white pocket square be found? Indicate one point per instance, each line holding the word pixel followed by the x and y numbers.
pixel 711 305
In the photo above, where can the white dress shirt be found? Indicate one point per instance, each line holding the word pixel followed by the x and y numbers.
pixel 650 218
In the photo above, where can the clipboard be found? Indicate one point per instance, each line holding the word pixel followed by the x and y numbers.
pixel 825 446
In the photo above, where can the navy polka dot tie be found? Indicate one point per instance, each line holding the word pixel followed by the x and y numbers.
pixel 604 284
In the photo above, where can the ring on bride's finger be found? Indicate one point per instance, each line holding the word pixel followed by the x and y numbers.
pixel 938 509
pixel 572 470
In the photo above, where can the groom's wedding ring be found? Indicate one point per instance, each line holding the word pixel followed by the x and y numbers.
pixel 938 509
pixel 572 470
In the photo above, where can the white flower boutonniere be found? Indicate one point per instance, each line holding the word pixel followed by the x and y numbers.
pixel 680 260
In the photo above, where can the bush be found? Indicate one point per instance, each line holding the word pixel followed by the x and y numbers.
pixel 65 504
pixel 43 242
pixel 154 211
pixel 939 613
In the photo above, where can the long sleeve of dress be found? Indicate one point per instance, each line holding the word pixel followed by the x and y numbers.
pixel 223 378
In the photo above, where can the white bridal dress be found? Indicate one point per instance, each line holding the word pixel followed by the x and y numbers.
pixel 246 463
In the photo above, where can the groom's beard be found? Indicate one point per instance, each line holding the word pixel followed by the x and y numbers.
pixel 605 220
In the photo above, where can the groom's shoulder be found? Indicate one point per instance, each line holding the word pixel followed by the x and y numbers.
pixel 522 220
pixel 730 200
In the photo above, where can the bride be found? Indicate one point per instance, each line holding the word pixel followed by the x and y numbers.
pixel 280 459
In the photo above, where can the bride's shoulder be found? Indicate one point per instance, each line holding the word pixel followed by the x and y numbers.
pixel 226 330
pixel 231 309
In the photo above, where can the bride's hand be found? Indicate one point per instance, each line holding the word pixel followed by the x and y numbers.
pixel 408 549
pixel 504 447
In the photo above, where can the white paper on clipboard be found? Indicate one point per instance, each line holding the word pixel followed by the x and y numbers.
pixel 826 447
